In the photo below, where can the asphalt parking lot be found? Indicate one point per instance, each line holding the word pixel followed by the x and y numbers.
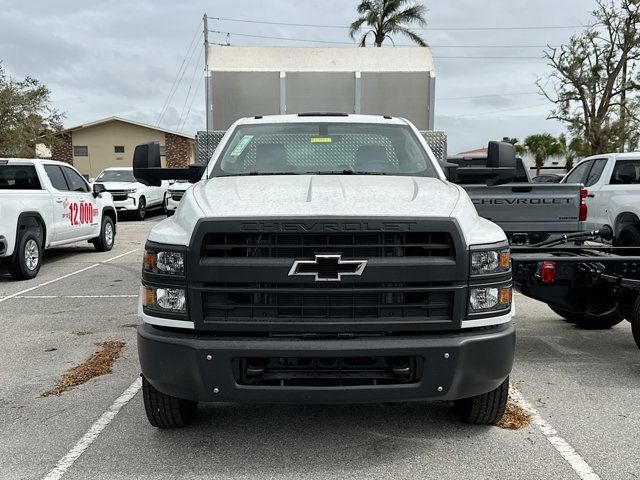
pixel 582 384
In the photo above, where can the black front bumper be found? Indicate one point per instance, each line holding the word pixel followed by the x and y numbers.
pixel 456 365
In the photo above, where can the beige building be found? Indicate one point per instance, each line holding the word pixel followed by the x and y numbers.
pixel 110 142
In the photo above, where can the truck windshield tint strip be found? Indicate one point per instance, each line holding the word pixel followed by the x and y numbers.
pixel 352 245
pixel 19 177
pixel 324 147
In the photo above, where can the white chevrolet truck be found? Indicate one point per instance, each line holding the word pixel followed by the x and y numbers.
pixel 44 204
pixel 613 194
pixel 130 195
pixel 323 258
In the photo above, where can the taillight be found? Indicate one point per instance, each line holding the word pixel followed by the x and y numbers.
pixel 583 204
pixel 547 271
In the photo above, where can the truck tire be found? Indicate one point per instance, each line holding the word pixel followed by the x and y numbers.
pixel 165 411
pixel 105 241
pixel 28 256
pixel 485 409
pixel 629 236
pixel 588 321
pixel 142 209
pixel 635 322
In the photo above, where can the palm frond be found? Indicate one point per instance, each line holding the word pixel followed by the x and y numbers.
pixel 414 14
pixel 414 37
pixel 355 27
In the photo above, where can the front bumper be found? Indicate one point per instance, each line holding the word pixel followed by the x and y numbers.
pixel 175 363
pixel 172 204
pixel 126 205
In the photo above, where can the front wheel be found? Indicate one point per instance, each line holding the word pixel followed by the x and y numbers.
pixel 485 409
pixel 635 322
pixel 142 209
pixel 629 236
pixel 27 257
pixel 590 321
pixel 165 411
pixel 105 241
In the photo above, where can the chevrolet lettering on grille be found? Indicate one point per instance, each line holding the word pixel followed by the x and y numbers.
pixel 328 267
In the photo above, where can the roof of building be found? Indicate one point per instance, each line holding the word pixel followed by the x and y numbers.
pixel 125 120
pixel 319 59
pixel 477 151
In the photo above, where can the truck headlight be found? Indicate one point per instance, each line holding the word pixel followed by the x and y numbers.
pixel 487 262
pixel 131 190
pixel 172 300
pixel 489 299
pixel 171 263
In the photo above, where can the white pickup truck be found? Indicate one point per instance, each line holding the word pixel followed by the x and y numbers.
pixel 613 194
pixel 46 204
pixel 130 195
pixel 323 258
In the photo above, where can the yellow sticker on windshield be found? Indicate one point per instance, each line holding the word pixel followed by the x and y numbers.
pixel 320 139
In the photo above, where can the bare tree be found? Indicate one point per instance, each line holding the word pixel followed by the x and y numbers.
pixel 594 79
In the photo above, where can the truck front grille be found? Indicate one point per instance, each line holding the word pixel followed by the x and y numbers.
pixel 350 245
pixel 318 302
pixel 118 195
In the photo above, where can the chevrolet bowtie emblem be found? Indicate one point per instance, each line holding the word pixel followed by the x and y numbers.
pixel 328 267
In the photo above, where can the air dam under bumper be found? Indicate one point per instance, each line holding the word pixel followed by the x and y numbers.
pixel 176 364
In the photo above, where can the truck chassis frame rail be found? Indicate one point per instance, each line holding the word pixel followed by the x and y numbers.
pixel 592 286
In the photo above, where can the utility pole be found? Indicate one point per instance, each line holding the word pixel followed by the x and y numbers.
pixel 206 69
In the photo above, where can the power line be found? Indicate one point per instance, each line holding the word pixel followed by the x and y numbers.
pixel 488 96
pixel 310 40
pixel 195 94
pixel 315 25
pixel 477 114
pixel 186 98
pixel 174 85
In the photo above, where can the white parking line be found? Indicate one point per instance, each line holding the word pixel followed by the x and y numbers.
pixel 46 297
pixel 22 292
pixel 573 458
pixel 96 429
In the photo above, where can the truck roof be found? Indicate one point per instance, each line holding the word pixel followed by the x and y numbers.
pixel 31 161
pixel 322 118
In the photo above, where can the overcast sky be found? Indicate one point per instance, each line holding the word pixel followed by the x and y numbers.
pixel 121 57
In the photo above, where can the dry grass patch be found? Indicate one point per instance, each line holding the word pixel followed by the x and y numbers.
pixel 515 417
pixel 98 364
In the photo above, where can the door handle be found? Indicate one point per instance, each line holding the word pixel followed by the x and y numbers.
pixel 58 200
pixel 591 195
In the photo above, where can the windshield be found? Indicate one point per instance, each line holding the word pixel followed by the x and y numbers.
pixel 324 148
pixel 116 176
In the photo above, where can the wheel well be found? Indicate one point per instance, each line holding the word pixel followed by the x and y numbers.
pixel 31 219
pixel 110 212
pixel 624 219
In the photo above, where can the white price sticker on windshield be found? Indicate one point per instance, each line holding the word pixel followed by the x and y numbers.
pixel 242 144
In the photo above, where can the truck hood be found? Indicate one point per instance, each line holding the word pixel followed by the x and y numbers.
pixel 328 195
pixel 300 196
pixel 120 185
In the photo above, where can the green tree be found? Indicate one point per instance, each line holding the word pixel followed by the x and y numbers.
pixel 26 116
pixel 595 78
pixel 543 146
pixel 519 148
pixel 386 18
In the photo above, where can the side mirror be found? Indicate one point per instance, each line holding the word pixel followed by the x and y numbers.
pixel 501 155
pixel 98 188
pixel 501 158
pixel 148 170
pixel 451 171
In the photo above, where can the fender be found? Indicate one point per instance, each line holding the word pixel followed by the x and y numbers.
pixel 113 214
pixel 21 223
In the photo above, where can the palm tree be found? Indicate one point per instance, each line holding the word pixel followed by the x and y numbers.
pixel 543 146
pixel 385 18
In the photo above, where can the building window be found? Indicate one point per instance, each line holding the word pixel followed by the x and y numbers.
pixel 80 151
pixel 118 149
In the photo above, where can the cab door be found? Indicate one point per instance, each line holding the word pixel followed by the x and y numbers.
pixel 84 216
pixel 62 229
